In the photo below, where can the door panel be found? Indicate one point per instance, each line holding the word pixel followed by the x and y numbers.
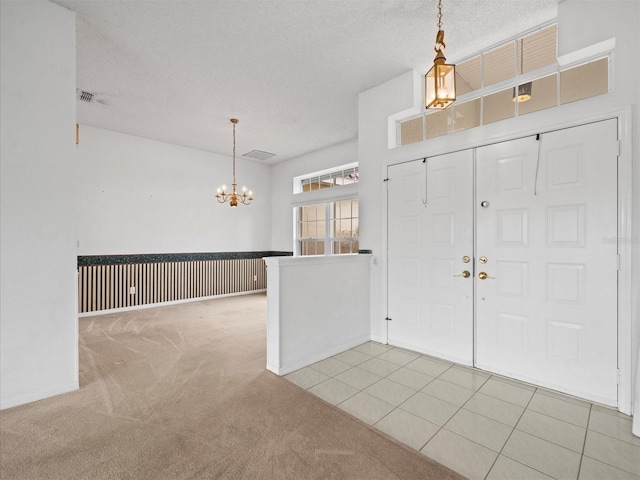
pixel 547 311
pixel 505 307
pixel 434 313
pixel 546 307
pixel 405 276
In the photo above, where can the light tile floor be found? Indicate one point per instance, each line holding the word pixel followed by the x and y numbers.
pixel 481 425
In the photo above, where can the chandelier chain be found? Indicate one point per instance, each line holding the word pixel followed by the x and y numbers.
pixel 234 198
pixel 234 152
pixel 440 45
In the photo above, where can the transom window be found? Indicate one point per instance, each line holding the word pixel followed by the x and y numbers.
pixel 329 179
pixel 515 78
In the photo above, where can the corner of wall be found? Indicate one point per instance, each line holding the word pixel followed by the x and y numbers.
pixel 39 319
pixel 378 110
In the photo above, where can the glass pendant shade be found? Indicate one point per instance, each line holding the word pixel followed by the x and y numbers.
pixel 524 92
pixel 440 85
pixel 440 81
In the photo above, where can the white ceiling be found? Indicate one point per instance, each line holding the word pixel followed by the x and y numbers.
pixel 290 70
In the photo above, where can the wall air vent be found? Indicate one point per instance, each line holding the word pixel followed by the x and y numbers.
pixel 259 155
pixel 85 96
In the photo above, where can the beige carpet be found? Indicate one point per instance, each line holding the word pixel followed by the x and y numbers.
pixel 182 392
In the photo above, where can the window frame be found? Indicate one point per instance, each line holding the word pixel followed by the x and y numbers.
pixel 329 239
pixel 563 63
pixel 299 180
pixel 328 198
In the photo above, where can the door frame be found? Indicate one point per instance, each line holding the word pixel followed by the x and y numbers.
pixel 625 229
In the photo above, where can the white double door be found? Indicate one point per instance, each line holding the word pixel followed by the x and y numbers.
pixel 500 257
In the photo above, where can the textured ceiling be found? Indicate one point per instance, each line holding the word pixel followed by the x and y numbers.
pixel 290 70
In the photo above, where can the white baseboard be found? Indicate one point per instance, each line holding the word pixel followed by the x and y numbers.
pixel 37 395
pixel 305 362
pixel 164 304
pixel 376 338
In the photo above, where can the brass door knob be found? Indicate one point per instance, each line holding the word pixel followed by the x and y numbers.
pixel 483 276
pixel 465 274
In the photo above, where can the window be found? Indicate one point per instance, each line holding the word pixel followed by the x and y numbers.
pixel 326 217
pixel 329 179
pixel 329 228
pixel 487 83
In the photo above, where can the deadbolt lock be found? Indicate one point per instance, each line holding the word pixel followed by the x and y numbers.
pixel 466 259
pixel 483 260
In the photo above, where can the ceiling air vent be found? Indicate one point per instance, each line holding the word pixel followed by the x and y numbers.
pixel 259 155
pixel 85 96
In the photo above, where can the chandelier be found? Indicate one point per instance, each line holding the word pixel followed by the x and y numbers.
pixel 234 198
pixel 440 81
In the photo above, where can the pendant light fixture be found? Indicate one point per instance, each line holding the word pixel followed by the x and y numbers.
pixel 440 81
pixel 234 198
pixel 524 90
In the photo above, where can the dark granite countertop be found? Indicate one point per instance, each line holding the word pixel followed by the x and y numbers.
pixel 85 260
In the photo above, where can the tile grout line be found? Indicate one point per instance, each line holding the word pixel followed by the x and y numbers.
pixel 395 407
pixel 417 391
pixel 556 419
pixel 584 442
pixel 606 434
pixel 509 437
pixel 473 441
pixel 362 390
pixel 607 462
pixel 514 384
pixel 440 427
pixel 459 409
pixel 480 414
pixel 449 367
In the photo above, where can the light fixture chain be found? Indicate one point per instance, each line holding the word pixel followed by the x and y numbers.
pixel 234 153
pixel 440 80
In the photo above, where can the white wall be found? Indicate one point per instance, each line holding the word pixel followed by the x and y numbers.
pixel 375 106
pixel 282 186
pixel 581 23
pixel 318 307
pixel 38 321
pixel 143 196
